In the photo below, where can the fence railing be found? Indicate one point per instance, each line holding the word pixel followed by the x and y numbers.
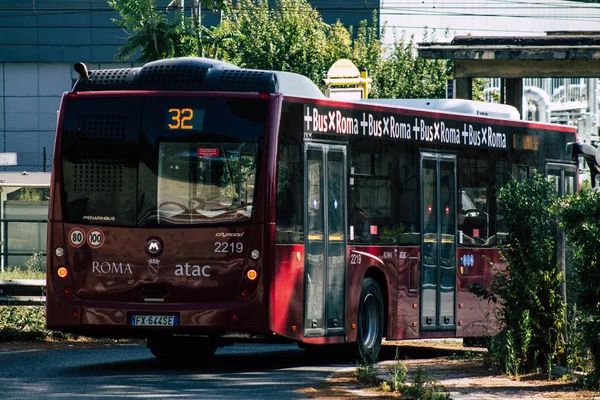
pixel 22 292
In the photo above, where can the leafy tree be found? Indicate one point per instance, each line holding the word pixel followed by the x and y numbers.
pixel 289 37
pixel 405 75
pixel 152 32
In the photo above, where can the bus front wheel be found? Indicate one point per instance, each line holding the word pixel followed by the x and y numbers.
pixel 370 321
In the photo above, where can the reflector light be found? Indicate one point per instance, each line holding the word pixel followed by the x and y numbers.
pixel 75 314
pixel 447 210
pixel 252 274
pixel 264 95
pixel 68 292
pixel 234 317
pixel 59 252
pixel 429 209
pixel 62 272
pixel 245 294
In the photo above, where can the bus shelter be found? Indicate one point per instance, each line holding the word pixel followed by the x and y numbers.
pixel 556 55
pixel 24 217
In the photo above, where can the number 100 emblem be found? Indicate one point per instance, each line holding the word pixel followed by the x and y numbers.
pixel 95 238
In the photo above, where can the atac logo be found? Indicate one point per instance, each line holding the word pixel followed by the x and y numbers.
pixel 153 266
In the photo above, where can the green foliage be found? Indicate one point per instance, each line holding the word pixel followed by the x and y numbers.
pixel 13 272
pixel 528 289
pixel 422 387
pixel 291 36
pixel 366 373
pixel 22 323
pixel 580 218
pixel 402 74
pixel 29 194
pixel 288 36
pixel 155 34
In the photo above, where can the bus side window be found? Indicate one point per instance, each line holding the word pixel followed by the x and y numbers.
pixel 475 189
pixel 290 214
pixel 370 191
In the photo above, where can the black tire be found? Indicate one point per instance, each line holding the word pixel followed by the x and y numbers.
pixel 370 321
pixel 182 348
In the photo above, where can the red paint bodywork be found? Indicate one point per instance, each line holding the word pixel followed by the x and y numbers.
pixel 276 302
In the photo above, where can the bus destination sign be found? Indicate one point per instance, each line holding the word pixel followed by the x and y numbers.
pixel 328 121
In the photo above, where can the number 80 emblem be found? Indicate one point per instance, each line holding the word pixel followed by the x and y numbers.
pixel 76 237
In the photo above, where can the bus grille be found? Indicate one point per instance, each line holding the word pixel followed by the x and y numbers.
pixel 110 76
pixel 98 168
pixel 186 74
pixel 240 77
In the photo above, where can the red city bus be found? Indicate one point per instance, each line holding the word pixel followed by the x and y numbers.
pixel 196 204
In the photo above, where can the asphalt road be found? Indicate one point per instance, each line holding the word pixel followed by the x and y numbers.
pixel 242 371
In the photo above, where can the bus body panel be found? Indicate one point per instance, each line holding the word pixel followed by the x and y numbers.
pixel 475 316
pixel 286 305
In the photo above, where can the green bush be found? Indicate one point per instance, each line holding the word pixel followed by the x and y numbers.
pixel 22 323
pixel 528 289
pixel 580 218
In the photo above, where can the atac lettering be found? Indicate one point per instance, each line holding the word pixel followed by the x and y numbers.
pixel 106 268
pixel 192 270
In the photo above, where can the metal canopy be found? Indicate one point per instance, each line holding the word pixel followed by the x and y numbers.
pixel 557 55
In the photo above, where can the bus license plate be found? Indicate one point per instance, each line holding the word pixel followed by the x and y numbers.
pixel 154 320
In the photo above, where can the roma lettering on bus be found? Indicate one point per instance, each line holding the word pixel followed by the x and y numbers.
pixel 105 268
pixel 399 130
pixel 496 139
pixel 345 125
pixel 449 135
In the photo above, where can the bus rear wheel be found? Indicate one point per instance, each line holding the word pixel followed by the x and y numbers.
pixel 182 348
pixel 370 321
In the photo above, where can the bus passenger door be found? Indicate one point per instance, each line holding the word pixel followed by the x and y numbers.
pixel 325 239
pixel 438 241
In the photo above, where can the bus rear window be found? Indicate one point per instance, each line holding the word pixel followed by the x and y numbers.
pixel 160 160
pixel 205 182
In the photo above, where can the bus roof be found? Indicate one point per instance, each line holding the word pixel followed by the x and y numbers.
pixel 198 74
pixel 457 106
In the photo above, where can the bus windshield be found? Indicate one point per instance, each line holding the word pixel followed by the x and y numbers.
pixel 160 160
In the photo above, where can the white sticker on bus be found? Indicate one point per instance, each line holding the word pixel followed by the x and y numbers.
pixel 95 238
pixel 76 237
